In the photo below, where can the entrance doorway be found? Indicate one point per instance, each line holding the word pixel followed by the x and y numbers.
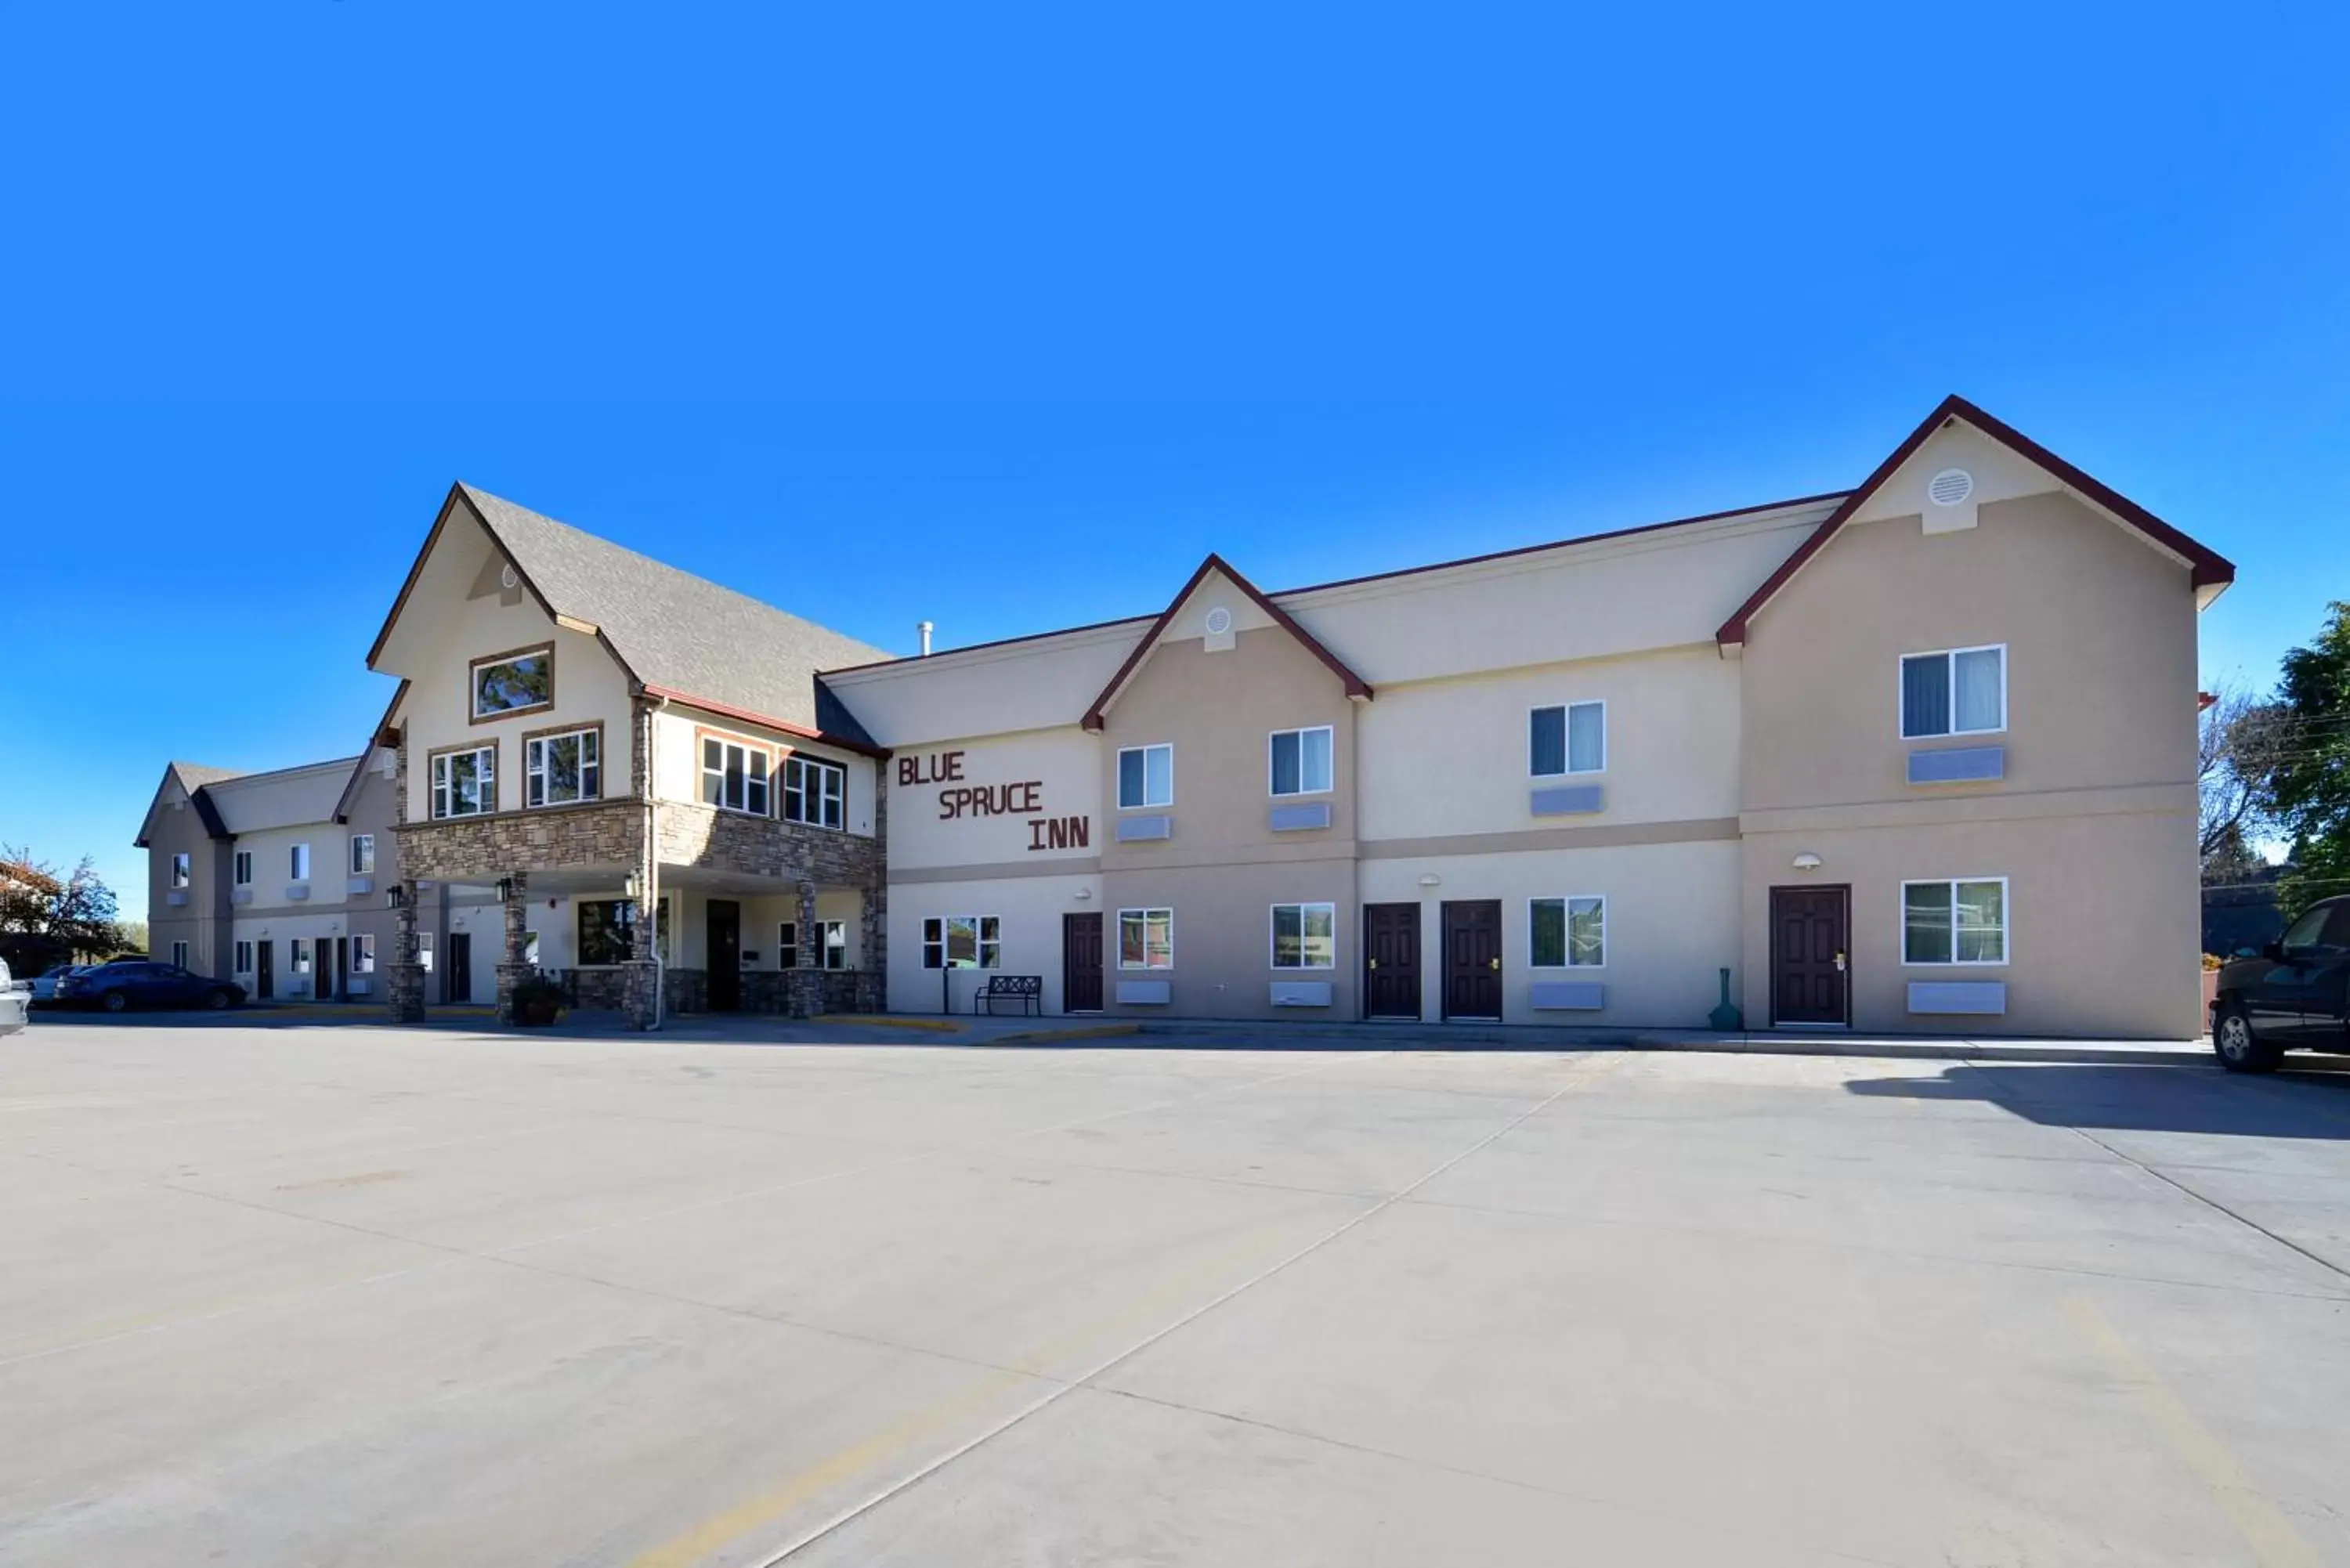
pixel 264 971
pixel 1811 942
pixel 725 955
pixel 1472 959
pixel 1391 960
pixel 1081 963
pixel 458 979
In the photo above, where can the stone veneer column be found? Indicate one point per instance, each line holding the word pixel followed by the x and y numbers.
pixel 804 987
pixel 407 994
pixel 513 969
pixel 641 976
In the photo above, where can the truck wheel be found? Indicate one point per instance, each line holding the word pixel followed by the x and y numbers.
pixel 2231 1038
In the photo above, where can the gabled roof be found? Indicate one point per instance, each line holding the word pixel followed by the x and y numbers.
pixel 381 735
pixel 1356 688
pixel 191 777
pixel 2206 567
pixel 675 635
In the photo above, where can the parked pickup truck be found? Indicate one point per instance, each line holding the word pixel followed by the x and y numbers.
pixel 16 1001
pixel 2294 996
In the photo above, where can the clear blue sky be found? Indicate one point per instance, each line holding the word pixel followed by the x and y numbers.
pixel 1003 317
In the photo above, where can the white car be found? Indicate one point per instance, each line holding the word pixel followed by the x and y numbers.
pixel 16 1001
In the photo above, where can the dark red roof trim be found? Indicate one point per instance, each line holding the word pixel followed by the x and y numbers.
pixel 1354 684
pixel 2208 566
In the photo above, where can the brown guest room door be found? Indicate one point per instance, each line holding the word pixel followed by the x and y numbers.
pixel 1081 963
pixel 1472 959
pixel 1391 960
pixel 1810 944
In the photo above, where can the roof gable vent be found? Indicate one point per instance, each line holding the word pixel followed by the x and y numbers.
pixel 1949 487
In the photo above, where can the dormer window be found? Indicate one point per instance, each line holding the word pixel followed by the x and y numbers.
pixel 506 684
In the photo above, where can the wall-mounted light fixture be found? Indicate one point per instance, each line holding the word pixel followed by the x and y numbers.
pixel 1807 861
pixel 629 886
pixel 1431 881
pixel 506 889
pixel 1082 894
pixel 398 895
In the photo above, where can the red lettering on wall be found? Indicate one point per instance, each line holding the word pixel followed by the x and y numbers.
pixel 945 767
pixel 1060 831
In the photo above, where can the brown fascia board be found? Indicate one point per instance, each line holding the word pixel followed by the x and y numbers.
pixel 1356 686
pixel 381 735
pixel 206 812
pixel 2206 567
pixel 765 720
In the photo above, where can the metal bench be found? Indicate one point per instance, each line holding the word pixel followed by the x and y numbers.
pixel 1027 990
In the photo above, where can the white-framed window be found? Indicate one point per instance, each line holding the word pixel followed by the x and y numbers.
pixel 834 951
pixel 1146 776
pixel 734 775
pixel 1567 933
pixel 362 953
pixel 241 868
pixel 180 955
pixel 180 870
pixel 1567 738
pixel 506 684
pixel 244 955
pixel 1146 938
pixel 814 791
pixel 362 854
pixel 559 769
pixel 298 955
pixel 1962 920
pixel 955 941
pixel 1299 761
pixel 297 862
pixel 788 945
pixel 1305 935
pixel 465 784
pixel 1954 692
pixel 424 950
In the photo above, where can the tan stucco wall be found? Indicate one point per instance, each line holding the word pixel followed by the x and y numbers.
pixel 1223 936
pixel 2104 920
pixel 1030 908
pixel 2100 634
pixel 677 762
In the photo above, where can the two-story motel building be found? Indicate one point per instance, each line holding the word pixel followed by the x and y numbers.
pixel 1916 755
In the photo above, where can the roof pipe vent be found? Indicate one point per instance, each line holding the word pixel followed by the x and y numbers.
pixel 924 628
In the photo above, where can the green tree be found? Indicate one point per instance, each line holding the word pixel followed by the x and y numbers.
pixel 2309 792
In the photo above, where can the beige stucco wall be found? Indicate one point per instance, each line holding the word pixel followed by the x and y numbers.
pixel 1223 936
pixel 1030 908
pixel 1672 924
pixel 677 762
pixel 930 828
pixel 2104 920
pixel 442 630
pixel 1450 757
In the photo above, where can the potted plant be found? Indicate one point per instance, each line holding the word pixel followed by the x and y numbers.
pixel 537 1001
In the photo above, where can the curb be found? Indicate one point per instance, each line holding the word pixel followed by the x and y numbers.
pixel 1933 1051
pixel 1053 1036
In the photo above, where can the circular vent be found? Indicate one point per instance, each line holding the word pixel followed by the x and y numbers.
pixel 1219 621
pixel 1951 486
pixel 507 579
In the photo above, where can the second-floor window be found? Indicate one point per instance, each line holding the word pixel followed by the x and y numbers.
pixel 241 868
pixel 506 684
pixel 1570 738
pixel 179 871
pixel 465 784
pixel 557 769
pixel 813 790
pixel 1956 692
pixel 1146 776
pixel 362 854
pixel 297 863
pixel 1300 761
pixel 734 776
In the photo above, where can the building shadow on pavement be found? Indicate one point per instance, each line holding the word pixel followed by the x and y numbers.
pixel 2309 1098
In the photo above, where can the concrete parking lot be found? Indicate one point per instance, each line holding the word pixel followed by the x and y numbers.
pixel 350 1295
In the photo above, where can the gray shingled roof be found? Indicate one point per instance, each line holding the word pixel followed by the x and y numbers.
pixel 674 629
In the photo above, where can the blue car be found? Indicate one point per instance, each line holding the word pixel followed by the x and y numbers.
pixel 119 986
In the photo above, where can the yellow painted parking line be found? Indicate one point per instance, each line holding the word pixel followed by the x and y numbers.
pixel 723 1529
pixel 1084 1032
pixel 2271 1537
pixel 882 1020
